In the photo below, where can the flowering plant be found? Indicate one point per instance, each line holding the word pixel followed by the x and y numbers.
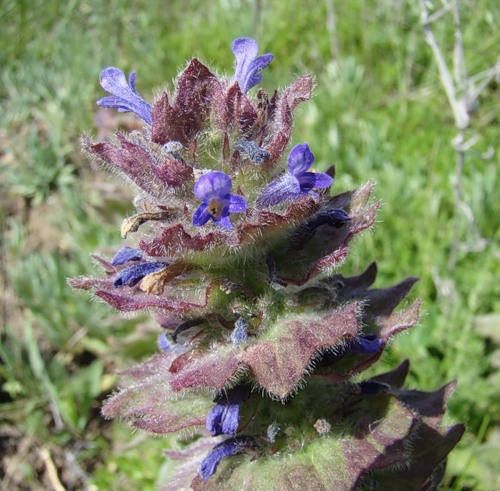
pixel 262 339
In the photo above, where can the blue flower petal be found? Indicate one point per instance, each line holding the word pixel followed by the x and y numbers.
pixel 131 275
pixel 126 254
pixel 125 98
pixel 253 76
pixel 224 418
pixel 300 159
pixel 334 217
pixel 214 419
pixel 286 187
pixel 131 81
pixel 214 184
pixel 227 448
pixel 248 65
pixel 314 180
pixel 224 222
pixel 366 343
pixel 230 419
pixel 201 215
pixel 164 342
pixel 113 102
pixel 237 204
pixel 240 332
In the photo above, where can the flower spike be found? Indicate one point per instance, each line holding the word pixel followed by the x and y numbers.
pixel 248 64
pixel 124 96
pixel 261 338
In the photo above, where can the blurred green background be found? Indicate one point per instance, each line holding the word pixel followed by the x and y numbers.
pixel 379 113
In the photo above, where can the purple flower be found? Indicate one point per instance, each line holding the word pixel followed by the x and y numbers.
pixel 131 275
pixel 251 150
pixel 224 418
pixel 124 96
pixel 227 448
pixel 297 182
pixel 366 343
pixel 213 189
pixel 240 332
pixel 126 254
pixel 248 65
pixel 164 343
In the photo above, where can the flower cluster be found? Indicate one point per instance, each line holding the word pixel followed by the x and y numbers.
pixel 261 338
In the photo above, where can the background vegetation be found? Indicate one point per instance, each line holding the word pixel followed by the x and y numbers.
pixel 379 113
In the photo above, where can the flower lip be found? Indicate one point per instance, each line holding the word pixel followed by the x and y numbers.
pixel 124 95
pixel 248 64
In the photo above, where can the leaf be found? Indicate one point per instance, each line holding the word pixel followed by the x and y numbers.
pixel 298 92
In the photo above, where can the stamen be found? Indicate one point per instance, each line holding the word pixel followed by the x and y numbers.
pixel 215 207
